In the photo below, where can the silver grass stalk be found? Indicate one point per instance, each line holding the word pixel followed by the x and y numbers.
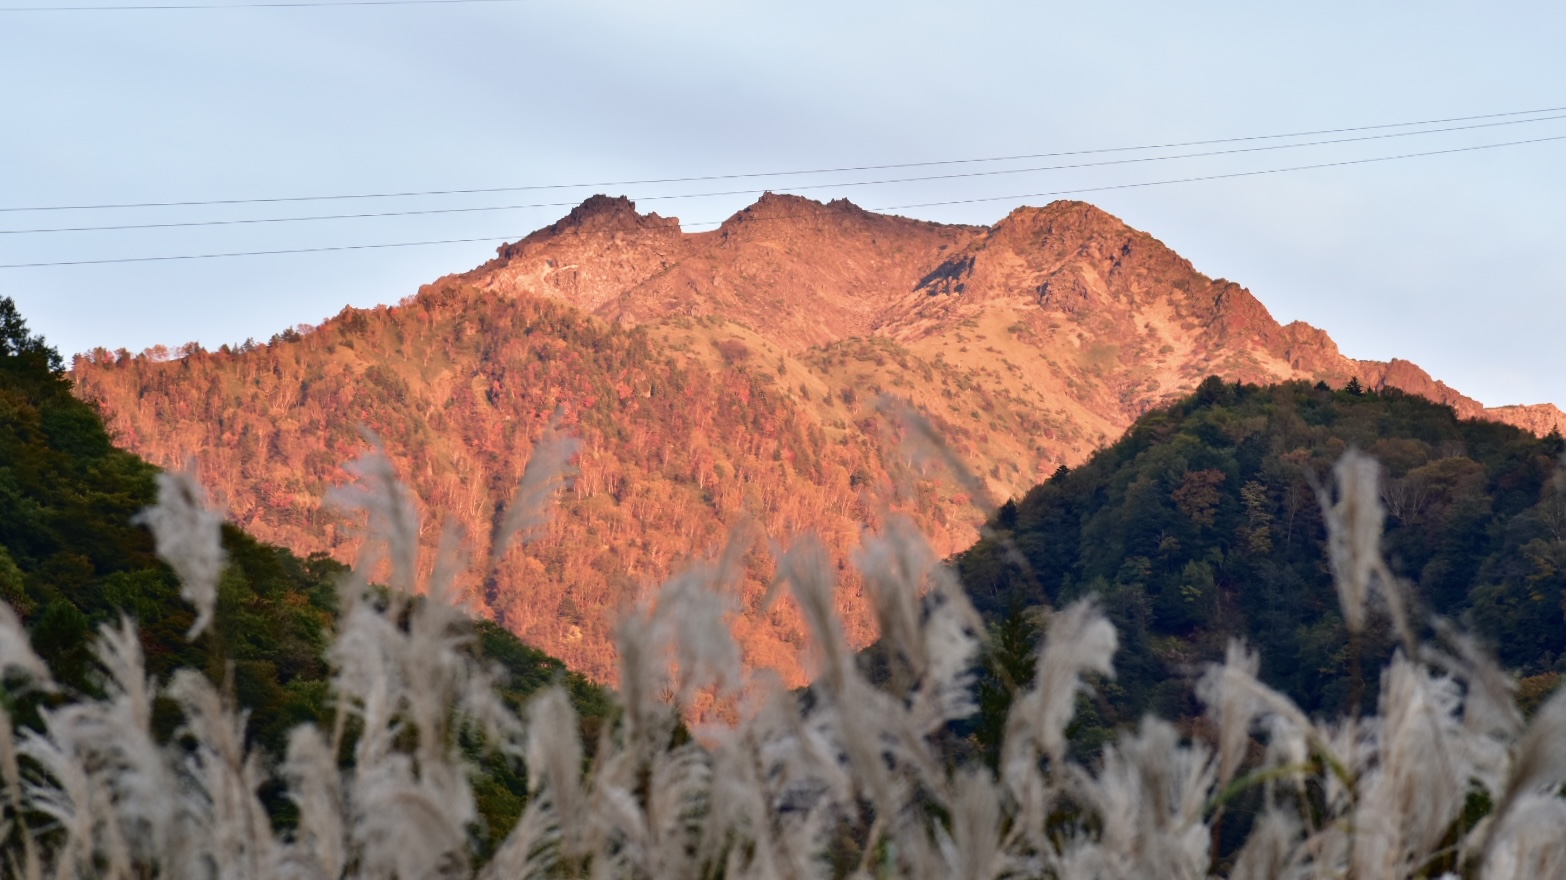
pixel 1354 518
pixel 188 535
pixel 393 519
pixel 855 771
pixel 1079 640
pixel 547 472
pixel 1271 850
pixel 1417 787
pixel 16 653
pixel 1231 705
pixel 232 827
pixel 1538 765
pixel 928 628
pixel 315 788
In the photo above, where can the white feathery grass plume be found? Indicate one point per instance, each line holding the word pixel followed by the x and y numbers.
pixel 1491 721
pixel 531 850
pixel 740 805
pixel 951 642
pixel 132 768
pixel 806 568
pixel 10 777
pixel 928 628
pixel 121 790
pixel 677 800
pixel 554 764
pixel 1417 786
pixel 548 470
pixel 393 519
pixel 19 664
pixel 1149 797
pixel 690 619
pixel 972 849
pixel 1232 705
pixel 411 820
pixel 850 711
pixel 62 791
pixel 685 622
pixel 1354 520
pixel 1538 765
pixel 1531 845
pixel 644 677
pixel 315 788
pixel 1354 516
pixel 233 828
pixel 1079 640
pixel 318 846
pixel 188 535
pixel 366 677
pixel 1271 851
pixel 895 565
pixel 777 781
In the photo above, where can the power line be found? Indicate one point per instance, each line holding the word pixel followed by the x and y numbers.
pixel 185 224
pixel 271 253
pixel 300 4
pixel 1064 192
pixel 789 173
pixel 1227 176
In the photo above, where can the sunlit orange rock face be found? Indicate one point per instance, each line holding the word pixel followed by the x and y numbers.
pixel 721 379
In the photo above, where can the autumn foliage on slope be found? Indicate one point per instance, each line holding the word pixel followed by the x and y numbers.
pixel 722 375
pixel 458 387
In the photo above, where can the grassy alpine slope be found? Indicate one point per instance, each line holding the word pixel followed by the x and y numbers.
pixel 1444 777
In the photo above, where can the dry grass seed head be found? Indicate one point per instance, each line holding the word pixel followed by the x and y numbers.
pixel 188 535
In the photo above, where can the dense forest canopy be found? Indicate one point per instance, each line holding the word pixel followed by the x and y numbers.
pixel 1203 524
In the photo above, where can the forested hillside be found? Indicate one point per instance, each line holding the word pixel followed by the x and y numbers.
pixel 1203 523
pixel 71 560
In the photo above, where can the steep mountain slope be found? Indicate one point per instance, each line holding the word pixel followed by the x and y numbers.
pixel 458 384
pixel 721 377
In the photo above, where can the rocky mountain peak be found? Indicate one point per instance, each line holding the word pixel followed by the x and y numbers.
pixel 729 374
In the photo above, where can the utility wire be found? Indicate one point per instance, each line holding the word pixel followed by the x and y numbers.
pixel 1063 192
pixel 1229 176
pixel 790 173
pixel 802 188
pixel 301 4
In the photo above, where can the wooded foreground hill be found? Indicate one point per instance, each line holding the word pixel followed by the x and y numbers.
pixel 717 378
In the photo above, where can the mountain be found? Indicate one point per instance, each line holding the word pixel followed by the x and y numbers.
pixel 1202 525
pixel 717 378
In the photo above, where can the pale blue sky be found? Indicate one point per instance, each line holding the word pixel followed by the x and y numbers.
pixel 1455 262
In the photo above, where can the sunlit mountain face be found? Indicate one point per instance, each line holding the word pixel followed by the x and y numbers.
pixel 725 385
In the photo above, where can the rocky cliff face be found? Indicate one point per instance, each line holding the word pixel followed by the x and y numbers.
pixel 725 377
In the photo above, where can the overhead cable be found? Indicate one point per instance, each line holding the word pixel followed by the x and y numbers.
pixel 787 173
pixel 1064 192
